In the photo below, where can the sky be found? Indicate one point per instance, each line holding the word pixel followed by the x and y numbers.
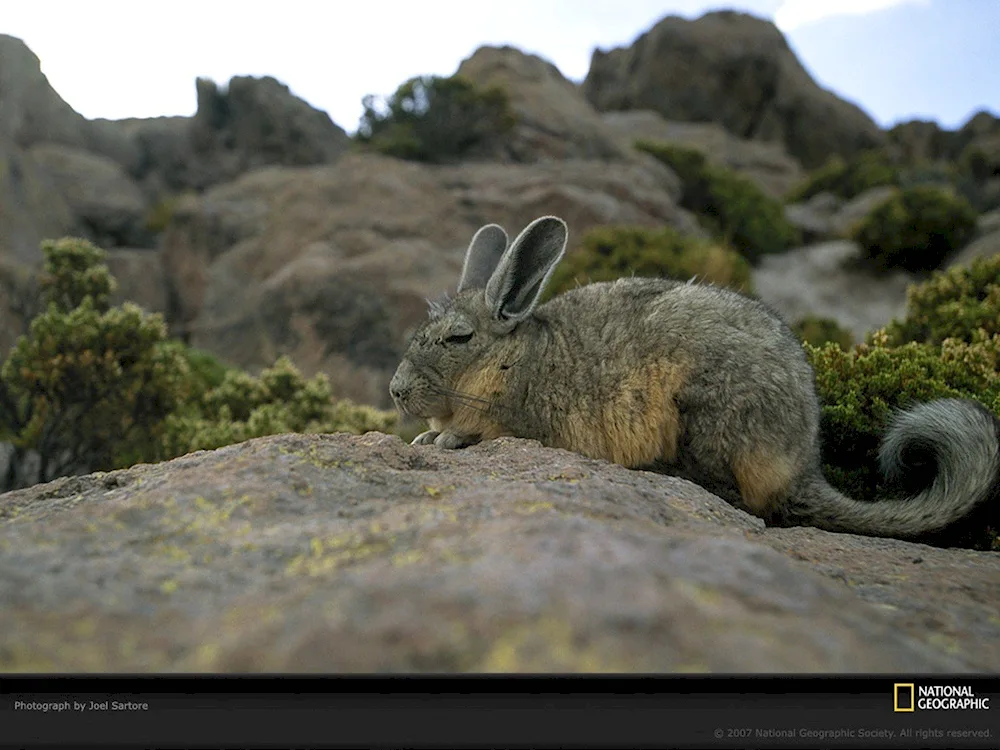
pixel 897 59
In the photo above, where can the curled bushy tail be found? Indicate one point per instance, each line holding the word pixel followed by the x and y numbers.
pixel 943 456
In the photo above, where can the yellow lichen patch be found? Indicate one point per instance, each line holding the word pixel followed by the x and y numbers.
pixel 407 557
pixel 530 508
pixel 944 642
pixel 438 512
pixel 172 552
pixel 169 586
pixel 212 516
pixel 547 644
pixel 330 554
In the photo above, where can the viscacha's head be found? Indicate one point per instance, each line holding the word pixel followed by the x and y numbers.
pixel 470 333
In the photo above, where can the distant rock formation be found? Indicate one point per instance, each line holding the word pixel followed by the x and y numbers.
pixel 554 119
pixel 735 70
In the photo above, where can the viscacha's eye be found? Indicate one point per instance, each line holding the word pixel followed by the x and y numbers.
pixel 459 338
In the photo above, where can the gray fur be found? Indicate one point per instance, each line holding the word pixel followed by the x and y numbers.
pixel 515 286
pixel 485 250
pixel 748 388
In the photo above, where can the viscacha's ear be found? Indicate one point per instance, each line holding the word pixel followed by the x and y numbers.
pixel 485 251
pixel 520 277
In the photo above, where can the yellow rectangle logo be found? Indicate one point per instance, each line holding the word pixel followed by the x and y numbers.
pixel 902 697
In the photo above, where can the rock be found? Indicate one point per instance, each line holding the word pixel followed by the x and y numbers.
pixel 554 120
pixel 389 231
pixel 107 207
pixel 31 210
pixel 139 273
pixel 339 553
pixel 735 70
pixel 158 154
pixel 257 122
pixel 920 141
pixel 858 207
pixel 827 217
pixel 766 164
pixel 986 246
pixel 814 217
pixel 988 223
pixel 820 280
pixel 30 109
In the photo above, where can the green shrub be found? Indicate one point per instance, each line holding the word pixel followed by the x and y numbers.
pixel 729 205
pixel 608 253
pixel 848 178
pixel 916 229
pixel 955 303
pixel 89 386
pixel 435 119
pixel 93 387
pixel 281 400
pixel 817 331
pixel 859 390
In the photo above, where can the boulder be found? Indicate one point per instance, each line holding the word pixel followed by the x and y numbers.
pixel 108 208
pixel 554 119
pixel 140 277
pixel 30 209
pixel 390 233
pixel 339 553
pixel 735 70
pixel 256 122
pixel 824 280
pixel 827 217
pixel 986 246
pixel 30 109
pixel 767 164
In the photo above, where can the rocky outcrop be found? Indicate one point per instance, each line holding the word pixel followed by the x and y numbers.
pixel 295 244
pixel 554 120
pixel 825 280
pixel 107 207
pixel 825 216
pixel 30 109
pixel 257 122
pixel 336 553
pixel 766 164
pixel 735 70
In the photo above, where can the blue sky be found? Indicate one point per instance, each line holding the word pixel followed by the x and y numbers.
pixel 897 59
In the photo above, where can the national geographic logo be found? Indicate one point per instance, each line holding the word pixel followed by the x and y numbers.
pixel 908 697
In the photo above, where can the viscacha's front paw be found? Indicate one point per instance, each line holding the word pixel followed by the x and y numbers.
pixel 425 438
pixel 453 440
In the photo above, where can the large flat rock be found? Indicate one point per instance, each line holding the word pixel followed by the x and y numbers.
pixel 362 553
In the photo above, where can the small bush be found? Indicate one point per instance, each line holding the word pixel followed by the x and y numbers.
pixel 608 253
pixel 89 386
pixel 435 119
pixel 729 205
pixel 956 303
pixel 860 389
pixel 848 178
pixel 281 400
pixel 161 212
pixel 916 229
pixel 92 387
pixel 817 331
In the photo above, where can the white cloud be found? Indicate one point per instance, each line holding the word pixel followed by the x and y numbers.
pixel 795 13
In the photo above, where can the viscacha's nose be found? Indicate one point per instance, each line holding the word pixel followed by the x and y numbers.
pixel 397 388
